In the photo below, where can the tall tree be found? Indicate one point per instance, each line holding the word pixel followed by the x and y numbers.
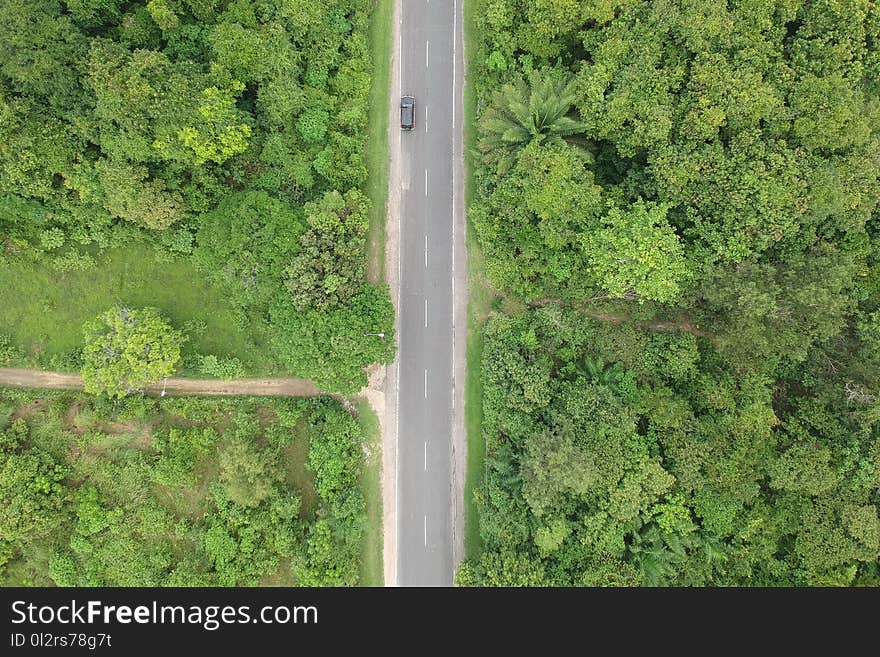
pixel 127 350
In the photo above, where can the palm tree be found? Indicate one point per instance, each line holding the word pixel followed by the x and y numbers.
pixel 595 368
pixel 655 556
pixel 521 113
pixel 505 462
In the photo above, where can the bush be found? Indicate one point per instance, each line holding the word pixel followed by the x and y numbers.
pixel 222 368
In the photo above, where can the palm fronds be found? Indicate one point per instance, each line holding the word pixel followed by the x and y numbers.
pixel 520 113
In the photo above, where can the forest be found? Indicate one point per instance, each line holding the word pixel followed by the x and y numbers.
pixel 182 492
pixel 205 157
pixel 677 208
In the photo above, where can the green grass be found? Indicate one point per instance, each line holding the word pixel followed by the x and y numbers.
pixel 479 299
pixel 377 190
pixel 473 417
pixel 42 311
pixel 297 476
pixel 194 500
pixel 377 136
pixel 371 550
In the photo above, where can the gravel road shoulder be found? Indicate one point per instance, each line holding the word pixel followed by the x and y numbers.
pixel 383 390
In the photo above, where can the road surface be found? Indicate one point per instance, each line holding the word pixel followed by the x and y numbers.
pixel 431 264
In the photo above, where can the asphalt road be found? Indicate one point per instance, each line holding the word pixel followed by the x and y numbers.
pixel 430 207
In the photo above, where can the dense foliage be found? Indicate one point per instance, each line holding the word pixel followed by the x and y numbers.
pixel 679 203
pixel 227 131
pixel 623 457
pixel 180 492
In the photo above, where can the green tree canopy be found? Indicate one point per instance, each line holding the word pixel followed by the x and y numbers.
pixel 127 350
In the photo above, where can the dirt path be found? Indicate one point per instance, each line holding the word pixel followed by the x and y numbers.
pixel 612 318
pixel 681 325
pixel 269 387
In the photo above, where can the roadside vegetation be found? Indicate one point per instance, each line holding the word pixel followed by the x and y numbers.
pixel 377 135
pixel 678 207
pixel 479 292
pixel 192 187
pixel 179 491
pixel 371 565
pixel 173 144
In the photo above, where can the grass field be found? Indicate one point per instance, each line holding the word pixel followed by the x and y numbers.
pixel 42 311
pixel 377 136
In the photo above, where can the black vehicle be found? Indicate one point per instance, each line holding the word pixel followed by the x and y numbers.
pixel 407 113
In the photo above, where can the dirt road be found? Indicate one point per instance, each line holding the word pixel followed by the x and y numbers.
pixel 269 387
